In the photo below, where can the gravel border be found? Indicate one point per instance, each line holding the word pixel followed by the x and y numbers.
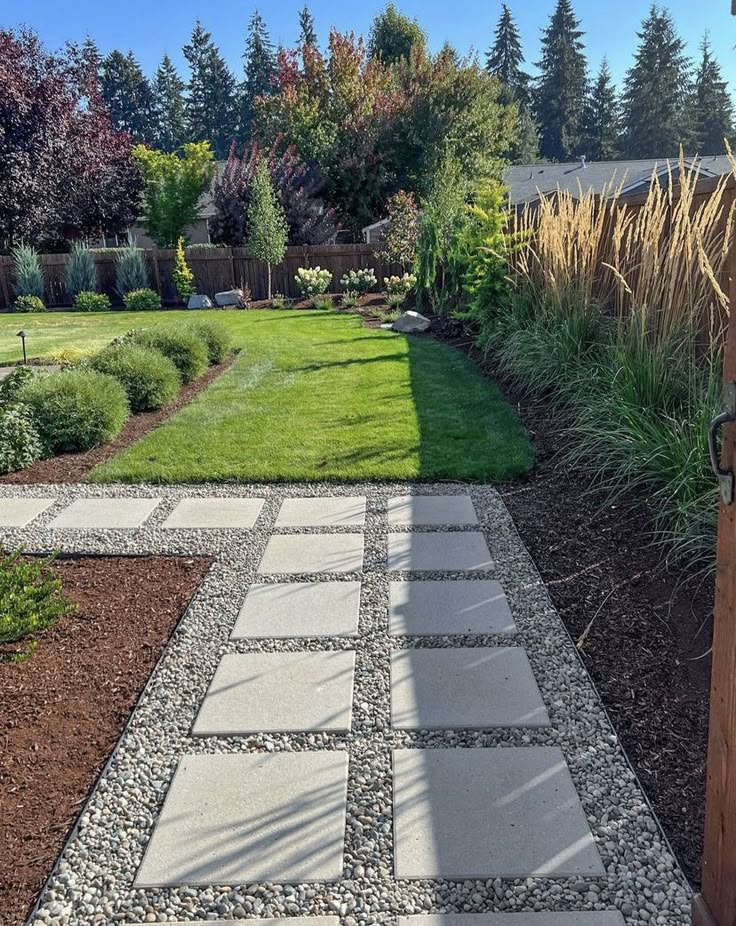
pixel 92 882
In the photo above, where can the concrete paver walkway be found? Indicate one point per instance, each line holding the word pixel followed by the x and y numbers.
pixel 370 710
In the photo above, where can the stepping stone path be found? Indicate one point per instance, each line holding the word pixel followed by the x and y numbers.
pixel 370 714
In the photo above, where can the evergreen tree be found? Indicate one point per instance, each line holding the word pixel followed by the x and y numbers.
pixel 127 95
pixel 712 107
pixel 561 85
pixel 505 57
pixel 601 118
pixel 211 106
pixel 525 149
pixel 656 91
pixel 260 68
pixel 168 107
pixel 393 35
pixel 307 32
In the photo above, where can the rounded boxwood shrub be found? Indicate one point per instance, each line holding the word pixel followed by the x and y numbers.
pixel 76 409
pixel 142 300
pixel 216 338
pixel 149 378
pixel 87 301
pixel 29 304
pixel 186 350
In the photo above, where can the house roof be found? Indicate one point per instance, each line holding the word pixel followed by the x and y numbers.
pixel 526 181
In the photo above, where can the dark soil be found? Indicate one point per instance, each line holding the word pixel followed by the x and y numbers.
pixel 647 648
pixel 72 467
pixel 63 709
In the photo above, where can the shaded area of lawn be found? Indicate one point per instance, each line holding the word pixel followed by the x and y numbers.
pixel 312 396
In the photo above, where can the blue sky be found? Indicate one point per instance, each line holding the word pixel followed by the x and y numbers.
pixel 151 27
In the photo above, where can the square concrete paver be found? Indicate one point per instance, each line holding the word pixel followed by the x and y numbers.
pixel 466 688
pixel 269 921
pixel 278 693
pixel 502 812
pixel 438 551
pixel 336 511
pixel 213 513
pixel 17 512
pixel 299 609
pixel 296 553
pixel 431 510
pixel 545 918
pixel 239 819
pixel 442 607
pixel 105 513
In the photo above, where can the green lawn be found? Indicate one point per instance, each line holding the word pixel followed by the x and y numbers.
pixel 313 395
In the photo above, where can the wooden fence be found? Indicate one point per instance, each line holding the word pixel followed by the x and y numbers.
pixel 215 270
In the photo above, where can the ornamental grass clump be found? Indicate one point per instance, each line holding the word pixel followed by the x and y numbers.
pixel 81 272
pixel 76 409
pixel 216 337
pixel 312 282
pixel 149 378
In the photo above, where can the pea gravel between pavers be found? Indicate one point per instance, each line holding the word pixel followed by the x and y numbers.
pixel 93 880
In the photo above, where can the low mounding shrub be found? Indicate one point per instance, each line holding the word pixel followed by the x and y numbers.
pixel 216 338
pixel 149 378
pixel 400 285
pixel 186 350
pixel 312 281
pixel 142 300
pixel 20 442
pixel 81 273
pixel 69 356
pixel 28 273
pixel 31 599
pixel 358 281
pixel 130 269
pixel 76 409
pixel 29 304
pixel 87 301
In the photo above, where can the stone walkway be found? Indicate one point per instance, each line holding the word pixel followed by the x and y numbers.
pixel 370 713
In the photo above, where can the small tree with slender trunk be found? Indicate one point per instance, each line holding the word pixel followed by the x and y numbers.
pixel 267 229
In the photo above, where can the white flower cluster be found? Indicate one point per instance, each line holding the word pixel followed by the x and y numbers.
pixel 400 285
pixel 358 281
pixel 312 281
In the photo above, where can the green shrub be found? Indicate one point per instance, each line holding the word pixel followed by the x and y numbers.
pixel 149 378
pixel 186 350
pixel 87 301
pixel 81 272
pixel 20 442
pixel 142 300
pixel 400 285
pixel 28 273
pixel 130 269
pixel 358 281
pixel 279 301
pixel 12 384
pixel 29 304
pixel 76 409
pixel 312 281
pixel 31 599
pixel 216 337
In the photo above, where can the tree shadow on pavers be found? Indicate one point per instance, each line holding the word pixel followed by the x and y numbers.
pixel 468 432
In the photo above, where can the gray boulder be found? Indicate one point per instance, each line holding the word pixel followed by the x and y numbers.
pixel 409 322
pixel 199 301
pixel 234 297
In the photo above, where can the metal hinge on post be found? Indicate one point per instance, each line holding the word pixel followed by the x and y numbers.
pixel 725 476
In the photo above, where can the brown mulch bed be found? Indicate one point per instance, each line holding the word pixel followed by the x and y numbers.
pixel 63 709
pixel 71 467
pixel 648 647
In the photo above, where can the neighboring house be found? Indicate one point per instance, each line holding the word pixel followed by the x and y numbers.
pixel 526 182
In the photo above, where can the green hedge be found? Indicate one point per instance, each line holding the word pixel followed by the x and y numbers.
pixel 149 378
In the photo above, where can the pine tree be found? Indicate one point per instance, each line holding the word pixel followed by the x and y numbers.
pixel 127 95
pixel 505 57
pixel 307 32
pixel 712 107
pixel 602 118
pixel 656 91
pixel 168 107
pixel 260 68
pixel 267 229
pixel 211 107
pixel 561 85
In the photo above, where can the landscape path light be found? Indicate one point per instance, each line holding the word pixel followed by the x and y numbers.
pixel 22 334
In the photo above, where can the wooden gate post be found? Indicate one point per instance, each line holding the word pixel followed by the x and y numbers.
pixel 716 904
